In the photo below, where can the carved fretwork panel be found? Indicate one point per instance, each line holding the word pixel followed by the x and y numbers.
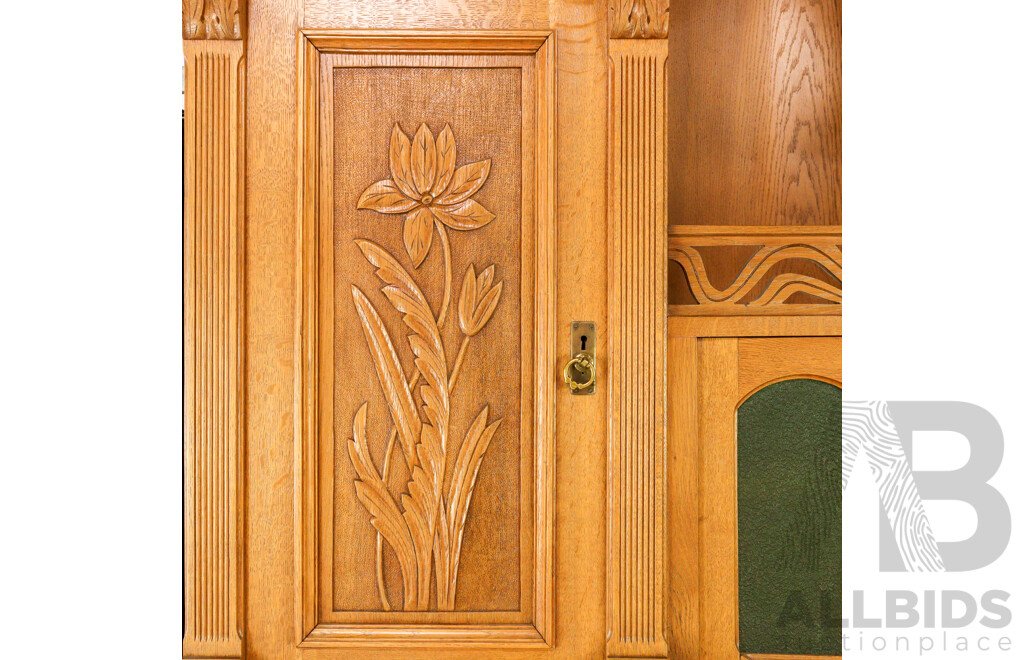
pixel 731 271
pixel 426 466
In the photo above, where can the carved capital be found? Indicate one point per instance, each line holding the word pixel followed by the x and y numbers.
pixel 212 19
pixel 638 19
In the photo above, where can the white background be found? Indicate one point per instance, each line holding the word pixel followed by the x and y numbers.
pixel 90 422
pixel 933 118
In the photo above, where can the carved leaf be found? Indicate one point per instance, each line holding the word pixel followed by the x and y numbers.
pixel 467 466
pixel 484 280
pixel 486 307
pixel 391 376
pixel 385 197
pixel 423 499
pixel 424 159
pixel 442 556
pixel 477 300
pixel 421 503
pixel 418 234
pixel 390 271
pixel 400 160
pixel 384 514
pixel 467 300
pixel 445 160
pixel 407 298
pixel 467 215
pixel 638 19
pixel 466 181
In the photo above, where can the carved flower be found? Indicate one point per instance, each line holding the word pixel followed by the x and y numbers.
pixel 478 300
pixel 425 184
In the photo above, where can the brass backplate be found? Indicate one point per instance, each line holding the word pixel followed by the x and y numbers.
pixel 584 340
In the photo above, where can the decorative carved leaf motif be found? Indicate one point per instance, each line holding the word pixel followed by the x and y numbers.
pixel 418 232
pixel 467 465
pixel 466 181
pixel 424 159
pixel 467 215
pixel 477 300
pixel 445 160
pixel 425 532
pixel 400 161
pixel 373 494
pixel 389 373
pixel 384 197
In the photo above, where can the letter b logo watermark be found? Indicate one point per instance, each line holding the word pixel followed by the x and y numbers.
pixel 883 432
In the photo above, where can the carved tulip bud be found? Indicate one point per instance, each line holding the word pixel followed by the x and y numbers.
pixel 478 300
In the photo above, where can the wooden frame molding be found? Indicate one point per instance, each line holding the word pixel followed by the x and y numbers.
pixel 636 328
pixel 317 625
pixel 214 340
pixel 764 284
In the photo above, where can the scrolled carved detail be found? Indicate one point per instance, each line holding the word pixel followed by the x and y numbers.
pixel 211 19
pixel 638 19
pixel 423 524
pixel 785 265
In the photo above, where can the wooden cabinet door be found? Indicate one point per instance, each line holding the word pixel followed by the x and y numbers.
pixel 395 211
pixel 755 496
pixel 409 507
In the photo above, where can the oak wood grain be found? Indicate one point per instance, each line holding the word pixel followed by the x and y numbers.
pixel 271 309
pixel 755 326
pixel 682 506
pixel 755 123
pixel 636 368
pixel 426 15
pixel 336 167
pixel 577 545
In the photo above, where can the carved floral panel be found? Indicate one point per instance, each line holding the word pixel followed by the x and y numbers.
pixel 429 451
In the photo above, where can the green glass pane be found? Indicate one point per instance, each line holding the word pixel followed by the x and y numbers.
pixel 789 468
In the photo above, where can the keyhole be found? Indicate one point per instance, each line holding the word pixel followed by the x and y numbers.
pixel 583 343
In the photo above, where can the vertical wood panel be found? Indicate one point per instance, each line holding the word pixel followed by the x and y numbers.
pixel 213 344
pixel 637 306
pixel 682 513
pixel 717 366
pixel 755 123
pixel 271 317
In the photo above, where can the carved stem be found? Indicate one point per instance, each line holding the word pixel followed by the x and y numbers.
pixel 447 274
pixel 441 316
pixel 458 363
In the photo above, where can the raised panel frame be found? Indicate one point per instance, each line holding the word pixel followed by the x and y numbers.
pixel 313 422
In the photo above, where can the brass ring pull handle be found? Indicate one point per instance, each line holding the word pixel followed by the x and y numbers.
pixel 583 364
